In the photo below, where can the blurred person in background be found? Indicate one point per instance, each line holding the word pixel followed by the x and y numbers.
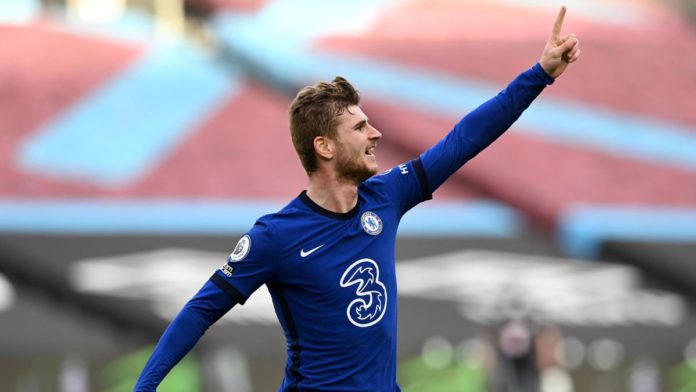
pixel 516 358
pixel 552 360
pixel 327 258
pixel 526 354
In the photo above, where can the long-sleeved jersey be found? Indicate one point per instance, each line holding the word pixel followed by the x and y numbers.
pixel 332 275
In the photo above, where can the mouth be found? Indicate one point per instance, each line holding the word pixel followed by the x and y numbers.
pixel 370 151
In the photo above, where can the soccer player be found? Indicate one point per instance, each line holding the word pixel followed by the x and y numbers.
pixel 327 257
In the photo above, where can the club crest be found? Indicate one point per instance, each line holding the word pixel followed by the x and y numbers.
pixel 371 223
pixel 242 249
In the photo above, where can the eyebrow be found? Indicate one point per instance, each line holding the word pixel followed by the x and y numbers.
pixel 360 124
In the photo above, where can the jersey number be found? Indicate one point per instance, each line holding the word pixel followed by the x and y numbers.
pixel 371 304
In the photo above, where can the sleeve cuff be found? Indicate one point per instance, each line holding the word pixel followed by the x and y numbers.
pixel 538 70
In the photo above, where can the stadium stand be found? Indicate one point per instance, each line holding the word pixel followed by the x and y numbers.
pixel 126 151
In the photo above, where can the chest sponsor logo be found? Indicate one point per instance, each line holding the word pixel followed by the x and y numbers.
pixel 371 302
pixel 371 223
pixel 242 249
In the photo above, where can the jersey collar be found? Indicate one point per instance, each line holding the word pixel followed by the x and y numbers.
pixel 321 210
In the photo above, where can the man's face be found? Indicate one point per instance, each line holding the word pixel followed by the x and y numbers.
pixel 355 146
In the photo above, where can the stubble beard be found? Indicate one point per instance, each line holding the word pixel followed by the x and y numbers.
pixel 353 171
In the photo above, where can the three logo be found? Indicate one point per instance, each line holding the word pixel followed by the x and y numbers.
pixel 371 302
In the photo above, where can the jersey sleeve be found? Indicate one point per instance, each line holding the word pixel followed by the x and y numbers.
pixel 406 185
pixel 251 264
pixel 199 313
pixel 482 126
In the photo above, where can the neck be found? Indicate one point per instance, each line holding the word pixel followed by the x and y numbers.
pixel 332 194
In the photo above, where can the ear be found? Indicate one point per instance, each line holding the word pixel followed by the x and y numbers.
pixel 324 147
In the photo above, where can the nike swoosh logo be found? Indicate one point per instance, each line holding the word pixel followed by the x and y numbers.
pixel 309 252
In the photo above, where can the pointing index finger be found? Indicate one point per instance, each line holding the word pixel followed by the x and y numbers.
pixel 556 32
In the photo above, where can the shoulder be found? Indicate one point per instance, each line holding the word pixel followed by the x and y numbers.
pixel 263 238
pixel 405 185
pixel 284 220
pixel 278 225
pixel 389 177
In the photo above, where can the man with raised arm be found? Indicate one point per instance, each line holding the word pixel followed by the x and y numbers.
pixel 327 257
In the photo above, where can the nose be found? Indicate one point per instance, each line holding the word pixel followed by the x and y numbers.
pixel 374 133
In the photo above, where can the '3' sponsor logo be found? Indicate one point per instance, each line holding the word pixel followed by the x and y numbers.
pixel 371 302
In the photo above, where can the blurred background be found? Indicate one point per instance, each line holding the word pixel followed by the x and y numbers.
pixel 140 138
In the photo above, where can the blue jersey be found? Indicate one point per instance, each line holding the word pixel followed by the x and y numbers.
pixel 332 275
pixel 332 280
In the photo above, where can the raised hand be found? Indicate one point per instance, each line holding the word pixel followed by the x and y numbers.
pixel 559 50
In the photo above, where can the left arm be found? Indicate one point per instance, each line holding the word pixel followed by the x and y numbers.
pixel 482 126
pixel 485 124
